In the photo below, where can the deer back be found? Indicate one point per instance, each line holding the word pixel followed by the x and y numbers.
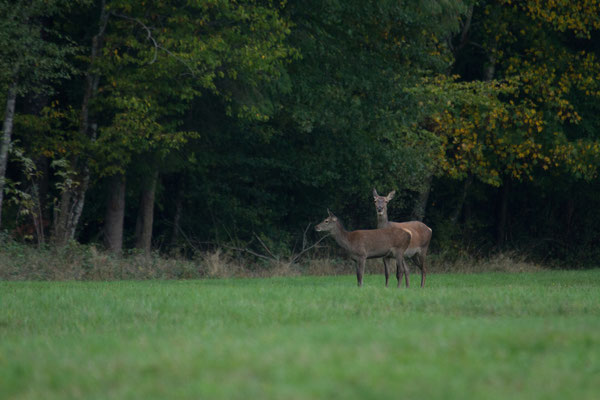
pixel 420 233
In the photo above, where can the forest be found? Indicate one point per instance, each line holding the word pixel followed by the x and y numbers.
pixel 166 126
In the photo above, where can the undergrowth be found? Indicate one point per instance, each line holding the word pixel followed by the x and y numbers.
pixel 86 262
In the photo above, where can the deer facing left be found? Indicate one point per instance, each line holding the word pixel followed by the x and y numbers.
pixel 387 243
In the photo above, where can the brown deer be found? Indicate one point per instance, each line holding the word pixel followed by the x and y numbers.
pixel 420 233
pixel 388 243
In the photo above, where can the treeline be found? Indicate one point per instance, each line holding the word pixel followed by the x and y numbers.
pixel 173 125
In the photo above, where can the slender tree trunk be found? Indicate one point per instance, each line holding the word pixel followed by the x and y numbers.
pixel 464 35
pixel 60 218
pixel 43 166
pixel 178 210
pixel 490 68
pixel 66 216
pixel 34 104
pixel 502 213
pixel 461 201
pixel 421 203
pixel 115 213
pixel 7 129
pixel 145 217
pixel 73 198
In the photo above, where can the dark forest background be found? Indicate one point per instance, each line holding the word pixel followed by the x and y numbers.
pixel 172 126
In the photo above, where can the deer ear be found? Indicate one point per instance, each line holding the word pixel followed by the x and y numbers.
pixel 329 212
pixel 391 195
pixel 375 193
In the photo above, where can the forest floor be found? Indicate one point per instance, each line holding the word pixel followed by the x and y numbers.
pixel 492 335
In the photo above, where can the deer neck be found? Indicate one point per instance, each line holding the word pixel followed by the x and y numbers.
pixel 341 237
pixel 382 220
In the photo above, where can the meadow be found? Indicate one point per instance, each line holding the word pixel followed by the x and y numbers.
pixel 481 335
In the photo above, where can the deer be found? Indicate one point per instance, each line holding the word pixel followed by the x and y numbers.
pixel 420 233
pixel 386 243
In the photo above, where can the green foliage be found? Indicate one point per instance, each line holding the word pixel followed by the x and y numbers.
pixel 259 115
pixel 31 52
pixel 554 78
pixel 157 59
pixel 24 195
pixel 344 127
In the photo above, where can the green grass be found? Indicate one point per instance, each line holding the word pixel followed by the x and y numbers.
pixel 484 336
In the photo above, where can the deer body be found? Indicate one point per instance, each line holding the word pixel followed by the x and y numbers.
pixel 386 243
pixel 420 233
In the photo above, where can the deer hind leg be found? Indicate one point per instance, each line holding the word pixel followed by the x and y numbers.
pixel 400 270
pixel 360 270
pixel 420 261
pixel 386 270
pixel 402 266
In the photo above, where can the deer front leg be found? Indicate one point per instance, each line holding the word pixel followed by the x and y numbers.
pixel 360 269
pixel 386 271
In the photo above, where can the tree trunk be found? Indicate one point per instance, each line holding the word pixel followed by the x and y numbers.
pixel 421 203
pixel 490 68
pixel 145 219
pixel 178 210
pixel 73 198
pixel 37 216
pixel 7 129
pixel 461 201
pixel 502 213
pixel 60 218
pixel 464 33
pixel 43 183
pixel 115 213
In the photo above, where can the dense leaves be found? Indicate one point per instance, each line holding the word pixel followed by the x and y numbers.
pixel 259 115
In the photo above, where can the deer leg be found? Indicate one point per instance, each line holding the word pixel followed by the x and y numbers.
pixel 360 269
pixel 405 266
pixel 421 258
pixel 386 271
pixel 399 270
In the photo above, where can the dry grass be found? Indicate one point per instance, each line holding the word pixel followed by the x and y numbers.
pixel 501 262
pixel 86 262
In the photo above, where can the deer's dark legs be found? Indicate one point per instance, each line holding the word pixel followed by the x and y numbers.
pixel 405 271
pixel 420 258
pixel 360 270
pixel 386 271
pixel 399 269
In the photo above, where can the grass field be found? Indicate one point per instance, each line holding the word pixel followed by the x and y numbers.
pixel 482 336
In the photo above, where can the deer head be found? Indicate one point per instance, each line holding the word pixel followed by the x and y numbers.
pixel 381 201
pixel 328 223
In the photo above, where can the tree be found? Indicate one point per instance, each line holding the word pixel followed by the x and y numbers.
pixel 347 124
pixel 538 115
pixel 157 60
pixel 32 58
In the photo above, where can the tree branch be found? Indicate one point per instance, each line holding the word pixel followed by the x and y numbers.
pixel 157 46
pixel 297 256
pixel 148 32
pixel 266 248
